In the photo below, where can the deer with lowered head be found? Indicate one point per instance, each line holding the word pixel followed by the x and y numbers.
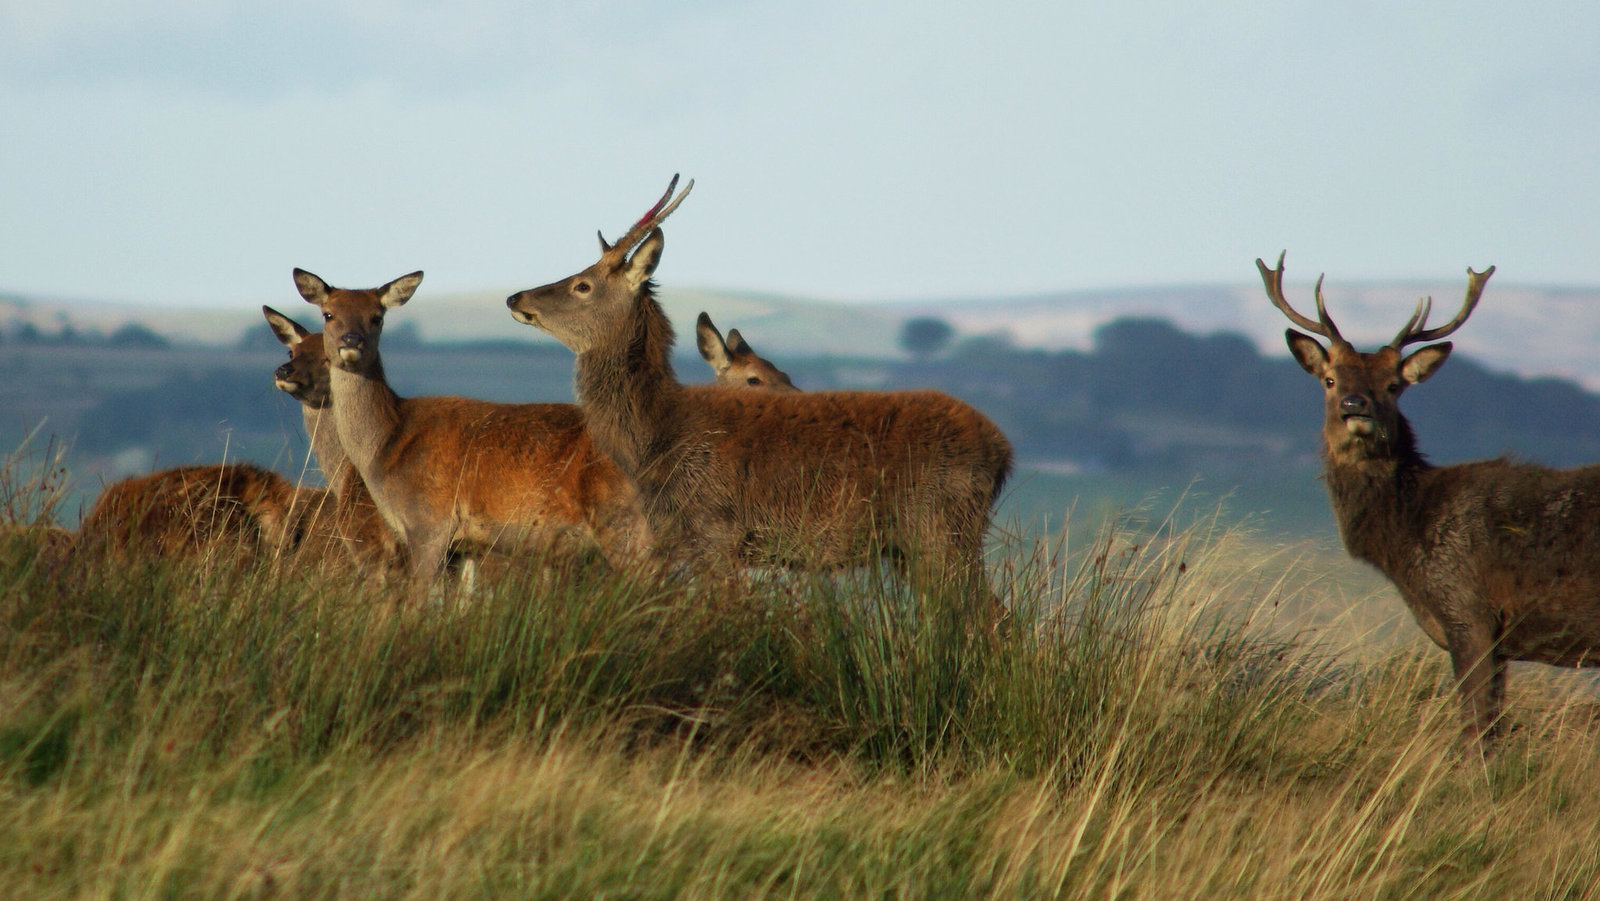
pixel 455 473
pixel 237 511
pixel 811 480
pixel 348 514
pixel 734 362
pixel 1498 561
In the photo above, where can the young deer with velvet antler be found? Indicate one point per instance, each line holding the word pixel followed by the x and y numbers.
pixel 454 473
pixel 813 480
pixel 348 515
pixel 734 362
pixel 1497 561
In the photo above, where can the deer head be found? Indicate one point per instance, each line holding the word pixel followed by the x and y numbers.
pixel 735 363
pixel 352 320
pixel 1361 390
pixel 305 376
pixel 580 310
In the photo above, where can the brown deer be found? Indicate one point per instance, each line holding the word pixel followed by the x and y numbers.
pixel 734 362
pixel 1497 561
pixel 233 508
pixel 816 480
pixel 451 472
pixel 349 517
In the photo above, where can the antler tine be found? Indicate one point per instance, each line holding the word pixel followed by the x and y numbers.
pixel 1272 279
pixel 1417 334
pixel 651 218
pixel 1418 320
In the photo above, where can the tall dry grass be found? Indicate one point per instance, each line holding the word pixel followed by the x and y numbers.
pixel 1142 729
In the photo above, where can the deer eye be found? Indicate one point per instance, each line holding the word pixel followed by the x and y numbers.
pixel 582 288
pixel 1328 381
pixel 327 317
pixel 377 321
pixel 1394 387
pixel 753 380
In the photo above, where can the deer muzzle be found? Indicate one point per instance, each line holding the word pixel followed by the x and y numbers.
pixel 1356 412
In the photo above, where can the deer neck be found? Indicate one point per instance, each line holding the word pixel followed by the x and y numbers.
pixel 628 390
pixel 1376 499
pixel 324 434
pixel 366 414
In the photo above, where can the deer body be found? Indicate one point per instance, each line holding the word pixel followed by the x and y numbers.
pixel 455 472
pixel 813 480
pixel 231 508
pixel 1497 560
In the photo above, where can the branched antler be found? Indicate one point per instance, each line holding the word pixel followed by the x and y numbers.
pixel 1415 331
pixel 1273 280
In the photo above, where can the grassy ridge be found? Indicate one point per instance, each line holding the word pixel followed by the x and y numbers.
pixel 190 730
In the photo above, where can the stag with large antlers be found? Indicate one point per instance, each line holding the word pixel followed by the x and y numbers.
pixel 1497 561
pixel 809 480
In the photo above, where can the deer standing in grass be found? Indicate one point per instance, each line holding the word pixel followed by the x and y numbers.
pixel 1497 561
pixel 734 362
pixel 817 480
pixel 454 473
pixel 348 514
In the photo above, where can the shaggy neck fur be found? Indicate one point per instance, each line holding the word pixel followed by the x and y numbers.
pixel 1375 498
pixel 627 388
pixel 366 412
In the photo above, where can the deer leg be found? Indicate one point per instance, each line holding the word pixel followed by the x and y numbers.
pixel 1480 676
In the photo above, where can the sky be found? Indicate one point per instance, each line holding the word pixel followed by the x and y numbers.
pixel 192 152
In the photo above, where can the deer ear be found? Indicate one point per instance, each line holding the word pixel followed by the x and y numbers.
pixel 312 288
pixel 400 290
pixel 737 344
pixel 1416 368
pixel 711 345
pixel 1308 352
pixel 643 263
pixel 288 331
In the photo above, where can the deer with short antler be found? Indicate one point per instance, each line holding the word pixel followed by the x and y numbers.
pixel 814 480
pixel 1498 561
pixel 452 473
pixel 734 362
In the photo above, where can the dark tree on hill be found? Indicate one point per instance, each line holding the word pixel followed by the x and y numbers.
pixel 925 336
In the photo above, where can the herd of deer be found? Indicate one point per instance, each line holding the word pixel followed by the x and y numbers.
pixel 1498 561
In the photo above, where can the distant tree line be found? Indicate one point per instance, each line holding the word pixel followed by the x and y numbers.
pixel 23 333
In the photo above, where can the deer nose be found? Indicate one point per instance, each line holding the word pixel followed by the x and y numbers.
pixel 1353 405
pixel 351 339
pixel 283 372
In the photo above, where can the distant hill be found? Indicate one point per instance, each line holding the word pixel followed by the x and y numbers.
pixel 1530 331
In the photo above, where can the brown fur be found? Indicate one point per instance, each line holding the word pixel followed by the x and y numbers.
pixel 734 362
pixel 1497 560
pixel 811 480
pixel 343 521
pixel 192 510
pixel 454 472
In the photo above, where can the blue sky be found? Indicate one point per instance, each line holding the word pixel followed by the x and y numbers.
pixel 193 151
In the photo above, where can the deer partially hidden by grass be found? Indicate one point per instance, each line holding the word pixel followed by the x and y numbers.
pixel 812 480
pixel 348 516
pixel 452 473
pixel 1497 560
pixel 235 509
pixel 734 362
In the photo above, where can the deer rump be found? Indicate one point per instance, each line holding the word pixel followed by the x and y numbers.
pixel 507 475
pixel 824 479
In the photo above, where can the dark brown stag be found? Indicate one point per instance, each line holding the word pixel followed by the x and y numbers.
pixel 1498 561
pixel 810 480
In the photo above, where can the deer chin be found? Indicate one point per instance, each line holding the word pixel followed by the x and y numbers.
pixel 1360 426
pixel 525 318
pixel 349 358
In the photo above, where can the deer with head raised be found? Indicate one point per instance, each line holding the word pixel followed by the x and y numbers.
pixel 349 516
pixel 1497 560
pixel 455 473
pixel 813 480
pixel 734 362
